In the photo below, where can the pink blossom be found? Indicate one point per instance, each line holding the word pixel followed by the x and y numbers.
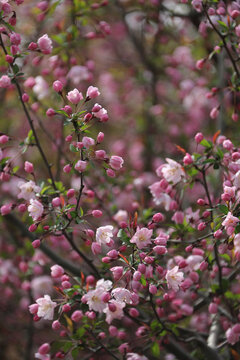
pixel 57 271
pixel 122 295
pixel 6 209
pixel 35 209
pixel 74 96
pixel 117 272
pixel 142 238
pixel 5 81
pixel 231 336
pixel 121 216
pixel 135 356
pixel 80 165
pixel 45 44
pixel 174 278
pixel 28 190
pixel 46 307
pixel 104 234
pixel 116 162
pixel 92 92
pixel 88 141
pixel 230 221
pixel 28 167
pixel 116 312
pixel 172 171
pixel 159 197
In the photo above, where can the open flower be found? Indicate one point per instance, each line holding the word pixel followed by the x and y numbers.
pixel 45 44
pixel 142 238
pixel 28 190
pixel 174 278
pixel 46 307
pixel 172 171
pixel 116 313
pixel 104 234
pixel 35 209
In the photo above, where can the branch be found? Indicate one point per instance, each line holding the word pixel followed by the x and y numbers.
pixel 14 221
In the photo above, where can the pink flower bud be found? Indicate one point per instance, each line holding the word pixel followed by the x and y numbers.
pixel 56 202
pixel 235 14
pixel 44 349
pixel 67 168
pixel 22 208
pixel 57 271
pixel 97 213
pixel 5 82
pixel 187 160
pixel 4 139
pixel 158 217
pixel 112 307
pixel 152 289
pixel 199 137
pixel 28 167
pixel 66 308
pixel 33 308
pixel 96 248
pixel 113 254
pixel 91 315
pixel 201 202
pixel 74 96
pixel 70 193
pixel 92 92
pixel 117 272
pixel 214 113
pixel 133 312
pixel 32 228
pixel 25 97
pixel 137 275
pixel 236 328
pixel 106 260
pixel 100 154
pixel 200 63
pixel 116 162
pixel 32 46
pixel 100 137
pixel 227 144
pixel 105 297
pixel 45 44
pixel 189 248
pixel 6 209
pixel 201 226
pixel 9 59
pixel 77 316
pixel 80 165
pixel 50 112
pixel 203 266
pixel 113 331
pixel 160 250
pixel 87 117
pixel 57 86
pixel 213 308
pixel 56 325
pixel 110 173
pixel 36 243
pixel 87 142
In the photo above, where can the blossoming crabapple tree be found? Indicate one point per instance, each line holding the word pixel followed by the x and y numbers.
pixel 102 256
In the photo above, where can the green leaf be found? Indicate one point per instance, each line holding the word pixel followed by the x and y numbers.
pixel 207 144
pixel 143 280
pixel 223 209
pixel 73 148
pixel 223 25
pixel 73 214
pixel 155 349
